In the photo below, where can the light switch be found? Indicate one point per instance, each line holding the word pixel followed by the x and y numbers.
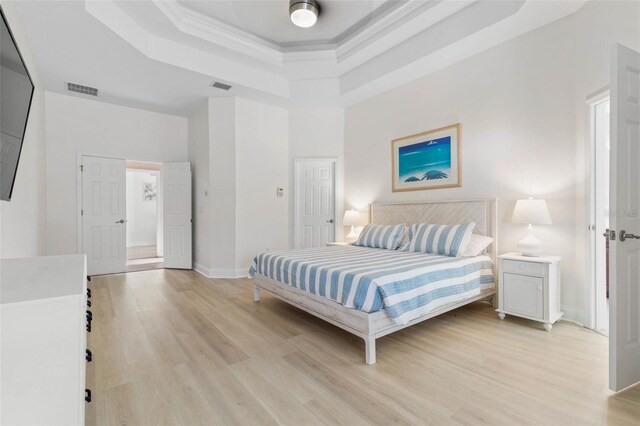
pixel 279 192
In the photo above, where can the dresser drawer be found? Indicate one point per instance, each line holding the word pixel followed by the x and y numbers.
pixel 524 268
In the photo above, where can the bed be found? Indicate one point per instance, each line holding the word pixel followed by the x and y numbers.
pixel 373 292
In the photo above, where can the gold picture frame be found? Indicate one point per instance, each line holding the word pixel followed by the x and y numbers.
pixel 427 160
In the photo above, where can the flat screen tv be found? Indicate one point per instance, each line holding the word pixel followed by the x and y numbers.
pixel 16 93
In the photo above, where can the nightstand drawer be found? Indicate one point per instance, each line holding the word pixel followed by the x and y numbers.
pixel 524 268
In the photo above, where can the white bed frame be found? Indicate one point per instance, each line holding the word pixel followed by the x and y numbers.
pixel 372 326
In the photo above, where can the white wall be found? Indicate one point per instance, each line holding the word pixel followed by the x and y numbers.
pixel 142 215
pixel 262 153
pixel 22 220
pixel 199 158
pixel 522 108
pixel 81 126
pixel 222 184
pixel 239 149
pixel 317 133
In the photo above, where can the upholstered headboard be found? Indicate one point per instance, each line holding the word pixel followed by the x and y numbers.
pixel 483 212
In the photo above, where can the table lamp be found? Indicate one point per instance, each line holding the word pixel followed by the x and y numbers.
pixel 351 218
pixel 532 212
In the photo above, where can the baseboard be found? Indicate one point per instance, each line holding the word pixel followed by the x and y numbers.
pixel 220 273
pixel 202 270
pixel 229 273
pixel 573 315
pixel 141 243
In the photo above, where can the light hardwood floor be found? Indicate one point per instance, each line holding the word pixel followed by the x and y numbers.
pixel 172 347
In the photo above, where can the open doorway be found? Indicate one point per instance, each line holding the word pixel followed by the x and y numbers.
pixel 600 136
pixel 144 216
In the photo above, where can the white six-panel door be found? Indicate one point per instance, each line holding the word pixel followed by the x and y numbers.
pixel 624 301
pixel 103 214
pixel 314 203
pixel 177 215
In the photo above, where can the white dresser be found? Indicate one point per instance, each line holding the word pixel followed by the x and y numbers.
pixel 529 287
pixel 44 327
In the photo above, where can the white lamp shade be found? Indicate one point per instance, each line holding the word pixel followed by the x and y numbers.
pixel 530 211
pixel 351 218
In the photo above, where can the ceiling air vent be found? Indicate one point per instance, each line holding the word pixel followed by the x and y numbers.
pixel 219 85
pixel 79 88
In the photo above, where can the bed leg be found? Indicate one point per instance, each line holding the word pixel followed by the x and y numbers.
pixel 256 294
pixel 370 349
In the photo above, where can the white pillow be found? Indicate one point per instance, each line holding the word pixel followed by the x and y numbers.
pixel 477 245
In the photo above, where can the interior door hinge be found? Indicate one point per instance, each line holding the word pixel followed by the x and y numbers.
pixel 81 212
pixel 81 168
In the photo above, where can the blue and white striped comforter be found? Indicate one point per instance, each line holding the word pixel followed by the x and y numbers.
pixel 407 285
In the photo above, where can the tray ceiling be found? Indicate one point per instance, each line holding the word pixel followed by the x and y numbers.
pixel 165 53
pixel 269 19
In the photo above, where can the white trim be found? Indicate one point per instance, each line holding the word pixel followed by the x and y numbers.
pixel 140 243
pixel 215 31
pixel 588 316
pixel 573 315
pixel 220 273
pixel 201 269
pixel 337 219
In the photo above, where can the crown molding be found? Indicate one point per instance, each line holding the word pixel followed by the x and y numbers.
pixel 372 32
pixel 364 34
pixel 397 33
pixel 184 55
pixel 217 32
pixel 401 44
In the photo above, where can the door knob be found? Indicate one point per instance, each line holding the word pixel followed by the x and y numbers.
pixel 330 221
pixel 611 234
pixel 625 236
pixel 120 221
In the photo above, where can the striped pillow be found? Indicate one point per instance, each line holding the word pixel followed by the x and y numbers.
pixel 380 236
pixel 446 240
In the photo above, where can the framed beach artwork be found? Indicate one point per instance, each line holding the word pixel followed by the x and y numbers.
pixel 427 160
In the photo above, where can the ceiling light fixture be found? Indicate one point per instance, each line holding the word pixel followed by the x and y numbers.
pixel 304 13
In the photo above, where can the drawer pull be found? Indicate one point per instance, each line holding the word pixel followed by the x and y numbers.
pixel 89 355
pixel 89 293
pixel 89 303
pixel 89 316
pixel 89 326
pixel 87 395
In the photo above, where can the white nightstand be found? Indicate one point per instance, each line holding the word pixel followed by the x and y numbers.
pixel 338 243
pixel 529 287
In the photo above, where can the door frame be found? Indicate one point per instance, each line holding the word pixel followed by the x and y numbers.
pixel 592 100
pixel 296 210
pixel 79 198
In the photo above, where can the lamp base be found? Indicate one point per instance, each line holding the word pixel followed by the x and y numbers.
pixel 352 236
pixel 530 245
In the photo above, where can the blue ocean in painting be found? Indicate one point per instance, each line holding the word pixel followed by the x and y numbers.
pixel 425 160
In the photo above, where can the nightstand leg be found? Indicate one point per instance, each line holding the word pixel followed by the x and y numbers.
pixel 548 326
pixel 501 315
